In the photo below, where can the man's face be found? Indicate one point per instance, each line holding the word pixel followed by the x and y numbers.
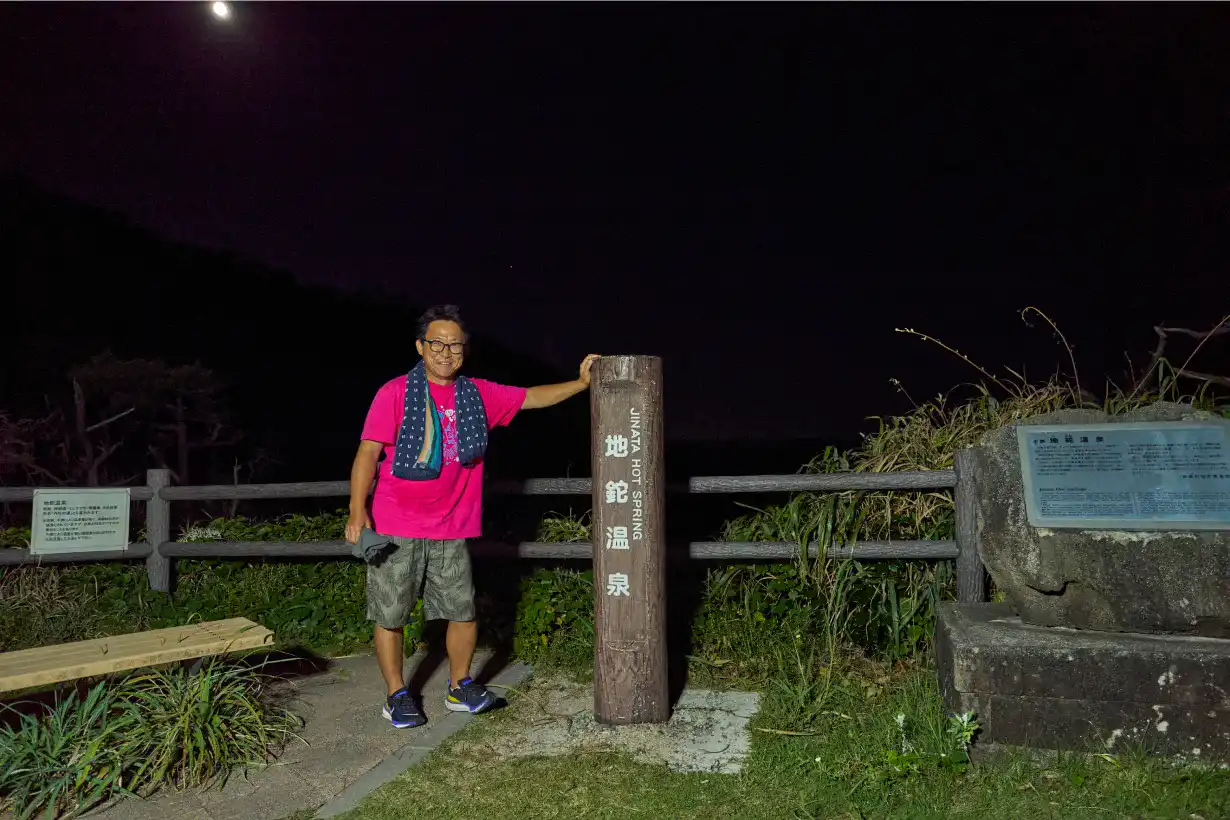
pixel 443 350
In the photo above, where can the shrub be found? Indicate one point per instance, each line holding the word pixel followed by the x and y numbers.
pixel 67 758
pixel 555 618
pixel 14 537
pixel 190 730
pixel 130 736
pixel 564 529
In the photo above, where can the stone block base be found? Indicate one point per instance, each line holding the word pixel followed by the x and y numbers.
pixel 1057 688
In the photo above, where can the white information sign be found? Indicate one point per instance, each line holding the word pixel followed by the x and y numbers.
pixel 1132 476
pixel 80 520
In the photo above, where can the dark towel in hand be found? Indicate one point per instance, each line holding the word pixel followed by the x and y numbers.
pixel 371 544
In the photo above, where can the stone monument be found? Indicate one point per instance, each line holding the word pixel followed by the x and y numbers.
pixel 1110 540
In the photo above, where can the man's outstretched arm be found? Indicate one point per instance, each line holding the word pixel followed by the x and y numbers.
pixel 548 394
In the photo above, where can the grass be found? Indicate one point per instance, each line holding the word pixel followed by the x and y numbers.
pixel 867 756
pixel 570 528
pixel 318 607
pixel 129 736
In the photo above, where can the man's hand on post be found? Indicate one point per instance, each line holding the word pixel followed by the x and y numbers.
pixel 586 366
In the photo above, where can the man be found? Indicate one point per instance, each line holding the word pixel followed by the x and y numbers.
pixel 431 426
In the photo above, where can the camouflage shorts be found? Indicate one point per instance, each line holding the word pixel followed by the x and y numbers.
pixel 440 568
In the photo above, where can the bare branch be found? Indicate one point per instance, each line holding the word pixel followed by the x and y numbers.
pixel 105 422
pixel 1224 381
pixel 34 469
pixel 1222 329
pixel 1150 375
pixel 83 436
pixel 216 439
pixel 106 453
pixel 161 460
pixel 1149 378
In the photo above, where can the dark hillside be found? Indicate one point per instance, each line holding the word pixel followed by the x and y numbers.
pixel 301 362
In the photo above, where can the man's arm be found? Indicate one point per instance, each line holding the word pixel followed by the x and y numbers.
pixel 546 395
pixel 362 473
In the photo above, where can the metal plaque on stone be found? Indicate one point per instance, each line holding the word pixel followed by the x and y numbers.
pixel 1147 476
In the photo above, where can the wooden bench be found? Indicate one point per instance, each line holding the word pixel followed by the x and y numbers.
pixel 28 668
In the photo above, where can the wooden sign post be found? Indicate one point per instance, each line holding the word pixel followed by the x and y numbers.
pixel 630 678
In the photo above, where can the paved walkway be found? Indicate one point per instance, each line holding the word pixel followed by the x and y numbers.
pixel 350 749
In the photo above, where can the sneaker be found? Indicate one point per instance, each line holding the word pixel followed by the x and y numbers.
pixel 469 696
pixel 402 711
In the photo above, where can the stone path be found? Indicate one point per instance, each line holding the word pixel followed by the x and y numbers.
pixel 350 750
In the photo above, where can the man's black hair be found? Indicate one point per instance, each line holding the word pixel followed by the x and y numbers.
pixel 439 313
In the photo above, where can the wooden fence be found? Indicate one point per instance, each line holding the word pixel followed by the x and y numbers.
pixel 159 549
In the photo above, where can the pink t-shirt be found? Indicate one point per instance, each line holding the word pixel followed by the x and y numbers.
pixel 451 505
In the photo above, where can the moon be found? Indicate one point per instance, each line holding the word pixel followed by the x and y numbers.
pixel 221 10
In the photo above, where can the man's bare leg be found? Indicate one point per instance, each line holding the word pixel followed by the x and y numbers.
pixel 460 640
pixel 390 654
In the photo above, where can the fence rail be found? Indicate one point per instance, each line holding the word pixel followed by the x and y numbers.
pixel 701 485
pixel 17 495
pixel 158 494
pixel 697 550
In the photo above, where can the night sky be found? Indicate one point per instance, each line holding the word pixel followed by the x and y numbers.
pixel 758 193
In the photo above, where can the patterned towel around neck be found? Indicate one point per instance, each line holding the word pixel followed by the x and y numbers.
pixel 419 453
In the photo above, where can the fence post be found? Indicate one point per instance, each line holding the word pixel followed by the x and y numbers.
pixel 971 577
pixel 629 541
pixel 158 530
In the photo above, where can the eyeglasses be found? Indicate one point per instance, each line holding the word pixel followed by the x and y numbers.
pixel 437 346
